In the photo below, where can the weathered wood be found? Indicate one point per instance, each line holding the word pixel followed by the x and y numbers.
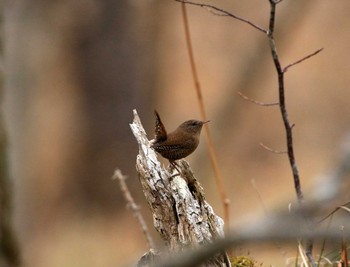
pixel 180 213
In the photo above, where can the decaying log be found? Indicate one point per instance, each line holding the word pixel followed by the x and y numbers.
pixel 181 215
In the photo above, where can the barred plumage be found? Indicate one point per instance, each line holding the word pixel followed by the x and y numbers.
pixel 179 143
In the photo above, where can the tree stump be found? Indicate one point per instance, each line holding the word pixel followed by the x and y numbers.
pixel 181 214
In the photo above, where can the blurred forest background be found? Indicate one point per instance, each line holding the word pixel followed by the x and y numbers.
pixel 73 71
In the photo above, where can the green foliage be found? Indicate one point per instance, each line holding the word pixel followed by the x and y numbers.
pixel 243 261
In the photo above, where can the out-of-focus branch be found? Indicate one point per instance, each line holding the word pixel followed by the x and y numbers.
pixel 272 150
pixel 284 228
pixel 259 103
pixel 133 206
pixel 212 152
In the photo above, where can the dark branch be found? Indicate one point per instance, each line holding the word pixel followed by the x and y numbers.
pixel 288 127
pixel 220 12
pixel 301 60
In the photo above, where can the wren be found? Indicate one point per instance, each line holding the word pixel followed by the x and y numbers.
pixel 179 143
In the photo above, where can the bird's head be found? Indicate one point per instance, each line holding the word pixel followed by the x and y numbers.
pixel 192 126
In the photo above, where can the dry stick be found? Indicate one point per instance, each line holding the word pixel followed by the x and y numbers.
pixel 213 158
pixel 257 102
pixel 302 59
pixel 134 207
pixel 263 105
pixel 272 150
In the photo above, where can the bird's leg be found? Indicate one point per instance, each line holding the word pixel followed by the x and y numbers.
pixel 174 164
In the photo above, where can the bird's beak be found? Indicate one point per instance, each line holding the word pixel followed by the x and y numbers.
pixel 204 122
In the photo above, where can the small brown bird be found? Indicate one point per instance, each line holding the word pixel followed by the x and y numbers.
pixel 179 143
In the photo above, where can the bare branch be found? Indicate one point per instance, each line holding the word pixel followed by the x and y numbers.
pixel 301 60
pixel 257 102
pixel 282 102
pixel 220 12
pixel 272 150
pixel 134 207
pixel 288 127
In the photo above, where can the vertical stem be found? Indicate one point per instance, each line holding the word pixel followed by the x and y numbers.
pixel 282 104
pixel 212 153
pixel 288 127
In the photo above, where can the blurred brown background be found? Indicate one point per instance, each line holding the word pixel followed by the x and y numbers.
pixel 75 70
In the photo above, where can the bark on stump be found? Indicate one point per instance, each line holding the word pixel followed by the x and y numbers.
pixel 181 215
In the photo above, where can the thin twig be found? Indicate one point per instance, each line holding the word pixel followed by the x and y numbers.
pixel 301 60
pixel 334 211
pixel 257 102
pixel 134 207
pixel 222 12
pixel 252 181
pixel 212 153
pixel 272 150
